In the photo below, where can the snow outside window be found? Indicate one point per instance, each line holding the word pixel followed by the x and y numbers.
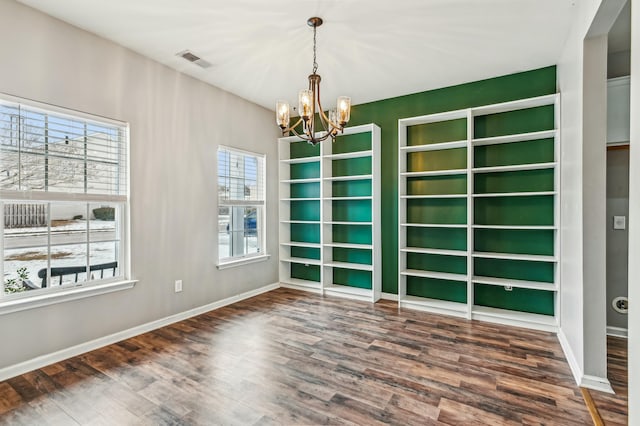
pixel 64 198
pixel 241 194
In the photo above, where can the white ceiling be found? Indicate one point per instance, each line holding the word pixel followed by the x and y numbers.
pixel 367 49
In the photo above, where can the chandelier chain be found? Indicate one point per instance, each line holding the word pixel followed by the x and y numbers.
pixel 315 64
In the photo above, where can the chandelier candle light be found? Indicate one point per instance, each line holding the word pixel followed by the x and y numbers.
pixel 307 100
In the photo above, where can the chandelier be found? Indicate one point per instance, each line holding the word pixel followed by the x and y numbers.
pixel 329 126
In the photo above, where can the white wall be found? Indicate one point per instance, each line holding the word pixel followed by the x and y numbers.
pixel 176 125
pixel 634 222
pixel 594 179
pixel 570 85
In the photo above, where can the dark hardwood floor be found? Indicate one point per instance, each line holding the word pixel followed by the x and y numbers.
pixel 613 409
pixel 288 357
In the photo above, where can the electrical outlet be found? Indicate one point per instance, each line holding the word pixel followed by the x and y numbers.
pixel 178 286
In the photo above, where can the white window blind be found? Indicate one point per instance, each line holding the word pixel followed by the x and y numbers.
pixel 54 152
pixel 240 177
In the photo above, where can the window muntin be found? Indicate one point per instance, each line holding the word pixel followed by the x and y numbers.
pixel 241 194
pixel 64 200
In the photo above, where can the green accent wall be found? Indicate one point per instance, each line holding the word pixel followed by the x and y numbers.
pixel 386 113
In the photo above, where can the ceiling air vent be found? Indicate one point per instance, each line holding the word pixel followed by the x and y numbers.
pixel 189 56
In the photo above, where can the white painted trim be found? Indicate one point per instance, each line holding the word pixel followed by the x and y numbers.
pixel 571 358
pixel 389 296
pixel 596 383
pixel 243 261
pixel 617 332
pixel 62 295
pixel 44 360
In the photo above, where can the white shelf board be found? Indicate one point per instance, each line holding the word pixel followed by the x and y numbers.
pixel 521 137
pixel 433 274
pixel 434 225
pixel 424 303
pixel 345 155
pixel 349 177
pixel 434 146
pixel 348 265
pixel 301 160
pixel 307 180
pixel 532 227
pixel 348 223
pixel 514 194
pixel 337 288
pixel 544 322
pixel 515 256
pixel 364 197
pixel 504 282
pixel 432 118
pixel 515 105
pixel 301 221
pixel 462 253
pixel 298 283
pixel 514 168
pixel 300 244
pixel 302 260
pixel 418 197
pixel 350 246
pixel 435 173
pixel 300 199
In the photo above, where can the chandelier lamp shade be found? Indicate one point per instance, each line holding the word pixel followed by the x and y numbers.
pixel 315 128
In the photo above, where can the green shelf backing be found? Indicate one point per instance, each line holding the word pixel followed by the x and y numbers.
pixel 514 269
pixel 437 185
pixel 351 188
pixel 351 166
pixel 518 299
pixel 349 255
pixel 352 234
pixel 305 170
pixel 351 210
pixel 352 143
pixel 305 232
pixel 453 291
pixel 514 122
pixel 303 150
pixel 527 210
pixel 305 210
pixel 518 241
pixel 516 181
pixel 437 263
pixel 308 272
pixel 305 252
pixel 437 210
pixel 506 154
pixel 305 190
pixel 445 159
pixel 442 131
pixel 352 278
pixel 437 238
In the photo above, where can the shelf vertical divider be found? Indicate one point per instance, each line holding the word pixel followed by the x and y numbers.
pixel 470 210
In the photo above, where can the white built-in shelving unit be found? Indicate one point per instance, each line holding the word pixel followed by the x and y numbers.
pixel 329 209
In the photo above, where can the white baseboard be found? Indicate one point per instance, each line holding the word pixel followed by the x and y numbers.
pixel 571 358
pixel 617 332
pixel 48 359
pixel 596 383
pixel 389 296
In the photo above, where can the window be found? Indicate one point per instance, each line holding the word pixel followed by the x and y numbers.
pixel 64 199
pixel 241 204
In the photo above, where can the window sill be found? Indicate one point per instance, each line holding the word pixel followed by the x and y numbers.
pixel 245 260
pixel 65 295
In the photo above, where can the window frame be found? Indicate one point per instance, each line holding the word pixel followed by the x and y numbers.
pixel 56 294
pixel 260 205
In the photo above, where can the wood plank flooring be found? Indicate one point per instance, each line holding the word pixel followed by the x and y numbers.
pixel 613 409
pixel 288 357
